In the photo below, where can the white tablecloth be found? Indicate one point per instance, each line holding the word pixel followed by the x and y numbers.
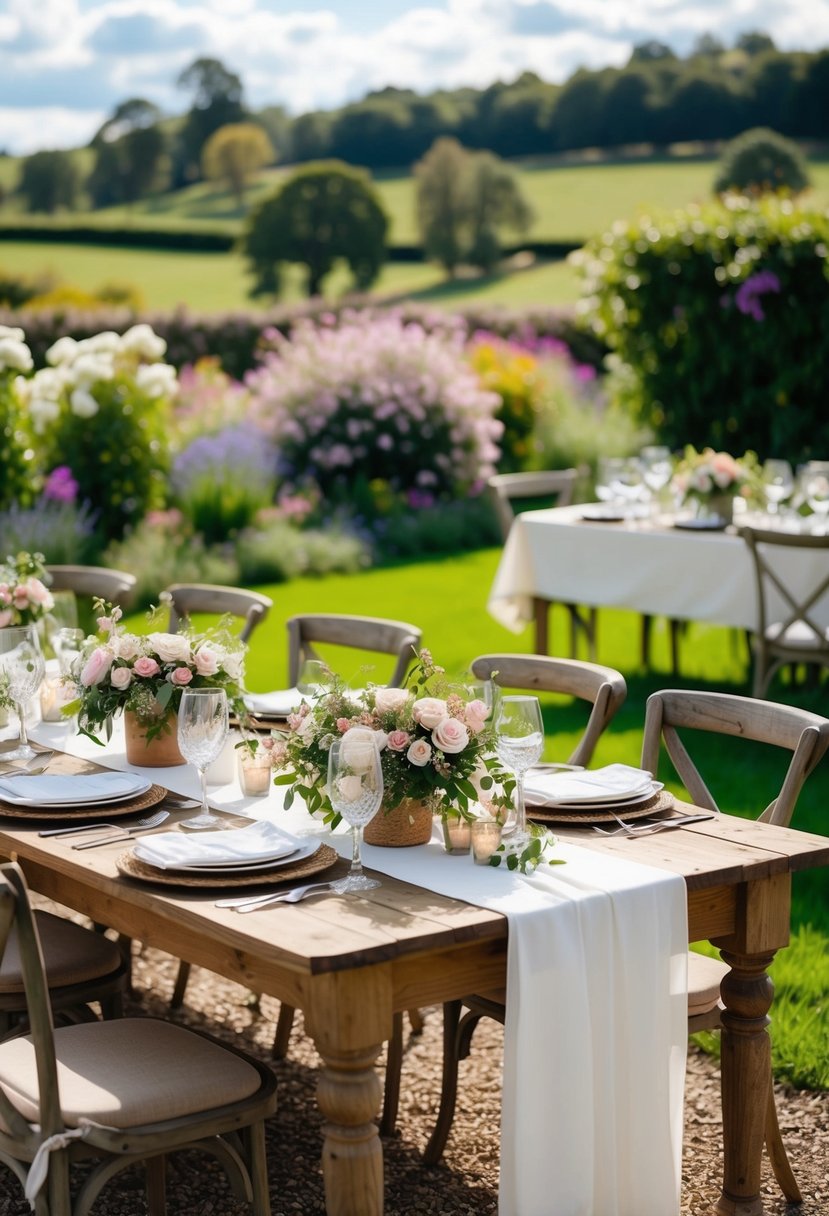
pixel 662 571
pixel 596 1029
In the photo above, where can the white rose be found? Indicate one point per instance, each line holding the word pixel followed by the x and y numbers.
pixel 419 753
pixel 157 379
pixel 141 340
pixel 63 351
pixel 349 788
pixel 428 711
pixel 233 662
pixel 90 368
pixel 170 647
pixel 107 342
pixel 390 700
pixel 83 404
pixel 120 677
pixel 126 646
pixel 9 331
pixel 358 747
pixel 15 355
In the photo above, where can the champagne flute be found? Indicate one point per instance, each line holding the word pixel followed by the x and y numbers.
pixel 202 730
pixel 778 483
pixel 21 674
pixel 355 788
pixel 519 742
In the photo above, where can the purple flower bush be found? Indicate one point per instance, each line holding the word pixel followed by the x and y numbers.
pixel 375 400
pixel 222 480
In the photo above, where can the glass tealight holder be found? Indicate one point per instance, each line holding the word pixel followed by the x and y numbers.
pixel 485 837
pixel 255 774
pixel 457 834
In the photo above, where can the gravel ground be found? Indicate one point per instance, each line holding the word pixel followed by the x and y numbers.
pixel 466 1184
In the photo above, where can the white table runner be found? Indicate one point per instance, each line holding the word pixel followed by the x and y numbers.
pixel 596 1024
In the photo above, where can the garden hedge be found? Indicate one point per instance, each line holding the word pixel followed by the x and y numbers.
pixel 718 318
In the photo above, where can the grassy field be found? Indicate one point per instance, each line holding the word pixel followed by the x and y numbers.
pixel 447 600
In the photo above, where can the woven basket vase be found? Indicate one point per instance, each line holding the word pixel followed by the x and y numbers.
pixel 407 824
pixel 159 752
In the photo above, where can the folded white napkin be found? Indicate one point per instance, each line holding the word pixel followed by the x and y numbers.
pixel 608 784
pixel 62 788
pixel 261 841
pixel 279 703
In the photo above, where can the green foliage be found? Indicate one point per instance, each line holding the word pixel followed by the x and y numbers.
pixel 49 181
pixel 217 100
pixel 278 551
pixel 130 155
pixel 234 153
pixel 323 213
pixel 717 319
pixel 160 550
pixel 761 162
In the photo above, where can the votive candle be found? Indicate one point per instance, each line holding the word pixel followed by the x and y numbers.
pixel 486 837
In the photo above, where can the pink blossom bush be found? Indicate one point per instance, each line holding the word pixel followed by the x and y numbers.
pixel 374 399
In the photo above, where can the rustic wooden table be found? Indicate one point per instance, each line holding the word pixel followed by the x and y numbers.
pixel 351 963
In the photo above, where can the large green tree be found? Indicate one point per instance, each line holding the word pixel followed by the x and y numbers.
pixel 217 100
pixel 233 153
pixel 48 181
pixel 324 213
pixel 130 154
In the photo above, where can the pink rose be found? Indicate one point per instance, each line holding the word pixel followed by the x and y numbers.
pixel 39 594
pixel 428 711
pixel 6 617
pixel 20 596
pixel 120 677
pixel 207 661
pixel 419 753
pixel 343 724
pixel 146 667
pixel 477 713
pixel 399 740
pixel 105 624
pixel 96 666
pixel 181 675
pixel 450 736
pixel 390 700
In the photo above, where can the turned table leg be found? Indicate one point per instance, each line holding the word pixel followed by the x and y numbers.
pixel 746 1076
pixel 541 614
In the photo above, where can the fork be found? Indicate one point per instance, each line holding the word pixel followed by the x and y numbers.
pixel 31 768
pixel 251 903
pixel 647 829
pixel 150 821
pixel 153 821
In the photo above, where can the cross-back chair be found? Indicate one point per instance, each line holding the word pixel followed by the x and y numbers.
pixel 605 690
pixel 187 599
pixel 121 1092
pixel 806 736
pixel 94 582
pixel 788 628
pixel 396 638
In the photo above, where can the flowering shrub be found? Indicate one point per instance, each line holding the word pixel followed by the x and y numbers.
pixel 374 399
pixel 161 550
pixel 220 481
pixel 700 476
pixel 15 357
pixel 208 400
pixel 711 316
pixel 101 408
pixel 62 532
pixel 435 745
pixel 512 372
pixel 24 596
pixel 119 671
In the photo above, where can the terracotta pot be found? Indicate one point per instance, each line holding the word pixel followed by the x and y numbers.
pixel 159 752
pixel 405 825
pixel 717 506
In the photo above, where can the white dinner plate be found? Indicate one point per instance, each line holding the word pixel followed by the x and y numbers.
pixel 250 867
pixel 58 790
pixel 619 804
pixel 277 704
pixel 259 841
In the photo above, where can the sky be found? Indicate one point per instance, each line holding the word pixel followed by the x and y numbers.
pixel 66 64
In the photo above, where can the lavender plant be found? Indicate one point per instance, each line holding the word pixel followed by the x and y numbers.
pixel 220 481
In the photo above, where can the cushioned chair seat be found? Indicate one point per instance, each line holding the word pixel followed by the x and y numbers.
pixel 129 1072
pixel 704 978
pixel 72 954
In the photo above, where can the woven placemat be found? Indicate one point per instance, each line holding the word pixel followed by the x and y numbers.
pixel 663 801
pixel 91 810
pixel 131 867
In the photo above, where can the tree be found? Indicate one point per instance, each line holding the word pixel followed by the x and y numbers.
pixel 651 51
pixel 755 42
pixel 49 180
pixel 217 101
pixel 464 199
pixel 761 162
pixel 324 213
pixel 234 152
pixel 130 154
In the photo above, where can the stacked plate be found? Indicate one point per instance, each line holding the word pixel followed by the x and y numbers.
pixel 594 795
pixel 260 846
pixel 68 791
pixel 277 704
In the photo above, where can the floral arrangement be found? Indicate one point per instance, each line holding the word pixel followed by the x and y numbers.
pixel 145 674
pixel 703 475
pixel 436 746
pixel 15 457
pixel 374 399
pixel 24 595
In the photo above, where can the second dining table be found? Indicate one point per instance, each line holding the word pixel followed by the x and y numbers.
pixel 352 963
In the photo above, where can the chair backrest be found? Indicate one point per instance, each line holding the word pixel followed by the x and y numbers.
pixel 372 633
pixel 765 548
pixel 102 582
pixel 803 733
pixel 15 910
pixel 602 687
pixel 505 488
pixel 189 598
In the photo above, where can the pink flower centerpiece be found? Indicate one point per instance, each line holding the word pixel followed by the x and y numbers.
pixel 709 478
pixel 24 596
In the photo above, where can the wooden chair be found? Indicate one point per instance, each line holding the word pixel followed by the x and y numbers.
pixel 511 492
pixel 605 690
pixel 189 598
pixel 794 635
pixel 119 1092
pixel 806 736
pixel 96 582
pixel 397 638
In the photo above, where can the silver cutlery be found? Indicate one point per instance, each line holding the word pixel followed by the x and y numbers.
pixel 251 902
pixel 648 829
pixel 124 833
pixel 37 764
pixel 149 821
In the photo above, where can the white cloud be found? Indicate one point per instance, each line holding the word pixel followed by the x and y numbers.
pixel 27 129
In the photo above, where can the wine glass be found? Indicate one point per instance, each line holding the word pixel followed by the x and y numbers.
pixel 627 481
pixel 202 730
pixel 815 486
pixel 606 469
pixel 355 788
pixel 314 679
pixel 778 483
pixel 519 742
pixel 21 674
pixel 657 468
